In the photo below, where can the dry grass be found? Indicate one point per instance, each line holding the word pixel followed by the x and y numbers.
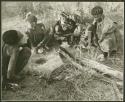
pixel 75 84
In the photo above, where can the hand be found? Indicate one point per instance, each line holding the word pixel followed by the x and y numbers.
pixel 20 48
pixel 13 86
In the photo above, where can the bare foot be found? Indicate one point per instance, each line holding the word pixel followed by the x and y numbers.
pixel 101 58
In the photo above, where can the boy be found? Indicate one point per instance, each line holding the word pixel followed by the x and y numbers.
pixel 36 32
pixel 102 33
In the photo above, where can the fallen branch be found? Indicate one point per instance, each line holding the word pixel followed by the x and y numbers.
pixel 69 59
pixel 103 68
pixel 91 64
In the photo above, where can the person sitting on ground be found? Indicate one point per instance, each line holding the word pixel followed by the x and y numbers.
pixel 15 55
pixel 102 33
pixel 79 29
pixel 36 32
pixel 64 29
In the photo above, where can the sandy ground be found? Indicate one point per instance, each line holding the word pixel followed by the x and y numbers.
pixel 36 89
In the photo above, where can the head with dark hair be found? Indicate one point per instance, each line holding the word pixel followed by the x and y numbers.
pixel 64 14
pixel 97 13
pixel 97 10
pixel 63 17
pixel 11 37
pixel 31 19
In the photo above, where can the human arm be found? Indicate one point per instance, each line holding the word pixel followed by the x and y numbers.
pixel 88 34
pixel 12 63
pixel 42 42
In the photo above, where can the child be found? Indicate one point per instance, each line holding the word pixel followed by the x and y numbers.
pixel 104 30
pixel 36 32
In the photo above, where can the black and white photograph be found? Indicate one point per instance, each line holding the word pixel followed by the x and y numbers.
pixel 62 51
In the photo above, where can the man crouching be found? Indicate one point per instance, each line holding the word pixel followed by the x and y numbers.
pixel 15 55
pixel 103 33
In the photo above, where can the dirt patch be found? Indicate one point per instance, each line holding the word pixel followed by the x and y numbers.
pixel 40 61
pixel 83 86
pixel 66 82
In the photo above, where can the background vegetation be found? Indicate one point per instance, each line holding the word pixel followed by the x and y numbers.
pixel 48 12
